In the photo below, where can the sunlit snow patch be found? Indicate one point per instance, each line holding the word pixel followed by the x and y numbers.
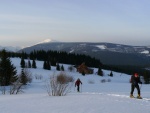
pixel 101 46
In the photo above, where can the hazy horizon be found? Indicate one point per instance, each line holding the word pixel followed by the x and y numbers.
pixel 25 23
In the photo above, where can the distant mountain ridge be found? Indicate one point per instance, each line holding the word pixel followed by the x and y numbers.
pixel 10 48
pixel 108 53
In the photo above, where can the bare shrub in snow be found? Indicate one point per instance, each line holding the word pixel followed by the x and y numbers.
pixel 38 77
pixel 91 81
pixel 103 81
pixel 3 89
pixel 28 74
pixel 59 85
pixel 24 77
pixel 71 68
pixel 16 88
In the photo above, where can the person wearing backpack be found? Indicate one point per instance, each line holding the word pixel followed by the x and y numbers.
pixel 135 81
pixel 77 83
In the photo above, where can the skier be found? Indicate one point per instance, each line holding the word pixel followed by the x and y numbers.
pixel 77 83
pixel 135 79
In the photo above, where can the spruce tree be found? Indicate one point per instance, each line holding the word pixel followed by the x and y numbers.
pixel 57 67
pixel 100 72
pixel 48 65
pixel 44 65
pixel 33 64
pixel 83 73
pixel 7 70
pixel 146 77
pixel 53 61
pixel 111 74
pixel 23 77
pixel 62 68
pixel 22 63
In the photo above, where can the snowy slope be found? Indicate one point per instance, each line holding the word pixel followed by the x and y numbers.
pixel 108 97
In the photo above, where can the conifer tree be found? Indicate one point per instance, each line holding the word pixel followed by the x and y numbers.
pixel 83 73
pixel 48 65
pixel 23 77
pixel 57 67
pixel 111 74
pixel 100 72
pixel 44 65
pixel 146 77
pixel 22 63
pixel 62 68
pixel 33 64
pixel 7 70
pixel 53 61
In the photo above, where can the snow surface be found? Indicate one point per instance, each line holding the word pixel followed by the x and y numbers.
pixel 145 52
pixel 47 41
pixel 95 96
pixel 101 46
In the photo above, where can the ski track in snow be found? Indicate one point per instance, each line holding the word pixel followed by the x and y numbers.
pixel 84 102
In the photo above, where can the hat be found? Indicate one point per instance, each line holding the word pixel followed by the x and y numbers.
pixel 136 74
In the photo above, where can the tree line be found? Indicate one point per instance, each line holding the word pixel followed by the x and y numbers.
pixel 53 58
pixel 58 57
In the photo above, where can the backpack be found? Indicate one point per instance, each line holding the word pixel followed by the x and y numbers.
pixel 131 79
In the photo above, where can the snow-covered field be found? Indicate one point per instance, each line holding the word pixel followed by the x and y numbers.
pixel 95 96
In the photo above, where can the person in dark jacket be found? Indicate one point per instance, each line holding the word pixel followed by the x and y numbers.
pixel 135 80
pixel 77 83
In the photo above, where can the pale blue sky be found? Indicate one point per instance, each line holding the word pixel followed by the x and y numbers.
pixel 26 22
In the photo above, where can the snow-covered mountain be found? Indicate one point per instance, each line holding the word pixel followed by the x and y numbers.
pixel 47 41
pixel 10 48
pixel 50 44
pixel 108 53
pixel 17 48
